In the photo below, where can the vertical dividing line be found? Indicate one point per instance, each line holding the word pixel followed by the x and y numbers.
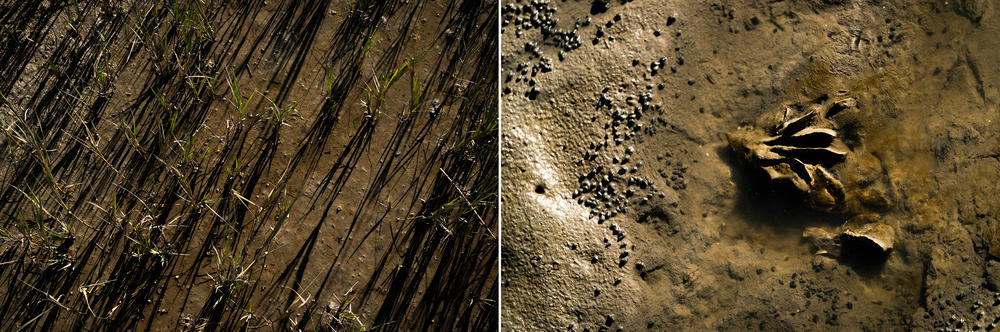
pixel 499 173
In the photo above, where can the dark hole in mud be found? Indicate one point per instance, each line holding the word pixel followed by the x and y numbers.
pixel 862 254
pixel 540 189
pixel 598 6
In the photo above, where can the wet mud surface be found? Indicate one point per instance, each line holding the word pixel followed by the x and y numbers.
pixel 248 165
pixel 626 207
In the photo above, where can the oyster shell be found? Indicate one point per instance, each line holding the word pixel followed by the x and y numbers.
pixel 798 151
pixel 864 236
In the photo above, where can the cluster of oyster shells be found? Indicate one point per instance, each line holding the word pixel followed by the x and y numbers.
pixel 800 150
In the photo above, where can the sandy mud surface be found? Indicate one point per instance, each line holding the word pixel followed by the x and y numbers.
pixel 625 207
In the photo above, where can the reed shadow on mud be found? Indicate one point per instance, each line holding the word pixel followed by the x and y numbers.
pixel 106 275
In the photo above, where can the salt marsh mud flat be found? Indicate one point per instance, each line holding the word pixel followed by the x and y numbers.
pixel 248 165
pixel 749 165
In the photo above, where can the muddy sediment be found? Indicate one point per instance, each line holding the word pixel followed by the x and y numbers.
pixel 625 206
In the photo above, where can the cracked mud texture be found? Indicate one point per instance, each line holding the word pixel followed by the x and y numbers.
pixel 624 209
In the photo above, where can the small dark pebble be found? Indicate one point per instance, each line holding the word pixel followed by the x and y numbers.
pixel 533 93
pixel 671 20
